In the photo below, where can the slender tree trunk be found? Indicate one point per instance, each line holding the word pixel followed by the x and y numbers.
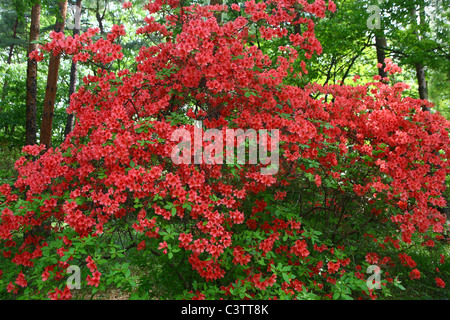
pixel 31 101
pixel 420 68
pixel 73 78
pixel 100 17
pixel 380 44
pixel 52 80
pixel 422 81
pixel 8 61
pixel 14 36
pixel 100 23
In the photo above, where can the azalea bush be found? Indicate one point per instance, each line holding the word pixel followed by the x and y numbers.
pixel 359 182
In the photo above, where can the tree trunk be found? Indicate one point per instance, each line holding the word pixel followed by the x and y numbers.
pixel 380 43
pixel 73 80
pixel 100 17
pixel 31 101
pixel 13 129
pixel 8 61
pixel 420 68
pixel 422 81
pixel 52 80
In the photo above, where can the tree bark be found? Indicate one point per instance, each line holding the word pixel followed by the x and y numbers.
pixel 421 81
pixel 380 44
pixel 31 100
pixel 52 80
pixel 73 82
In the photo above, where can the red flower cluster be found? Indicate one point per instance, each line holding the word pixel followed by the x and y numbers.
pixel 440 282
pixel 300 248
pixel 414 274
pixel 406 260
pixel 58 294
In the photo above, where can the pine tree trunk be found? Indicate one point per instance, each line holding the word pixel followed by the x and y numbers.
pixel 52 80
pixel 31 101
pixel 73 81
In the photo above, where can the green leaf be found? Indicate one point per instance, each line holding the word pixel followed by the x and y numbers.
pixel 168 206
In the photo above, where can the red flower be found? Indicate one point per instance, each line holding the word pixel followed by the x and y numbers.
pixel 60 295
pixel 21 280
pixel 240 257
pixel 331 6
pixel 300 248
pixel 36 55
pixel 236 7
pixel 163 245
pixel 185 240
pixel 141 245
pixel 318 180
pixel 45 275
pixel 90 264
pixel 407 260
pixel 414 274
pixel 440 283
pixel 372 258
pixel 333 267
pixel 12 288
pixel 94 280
